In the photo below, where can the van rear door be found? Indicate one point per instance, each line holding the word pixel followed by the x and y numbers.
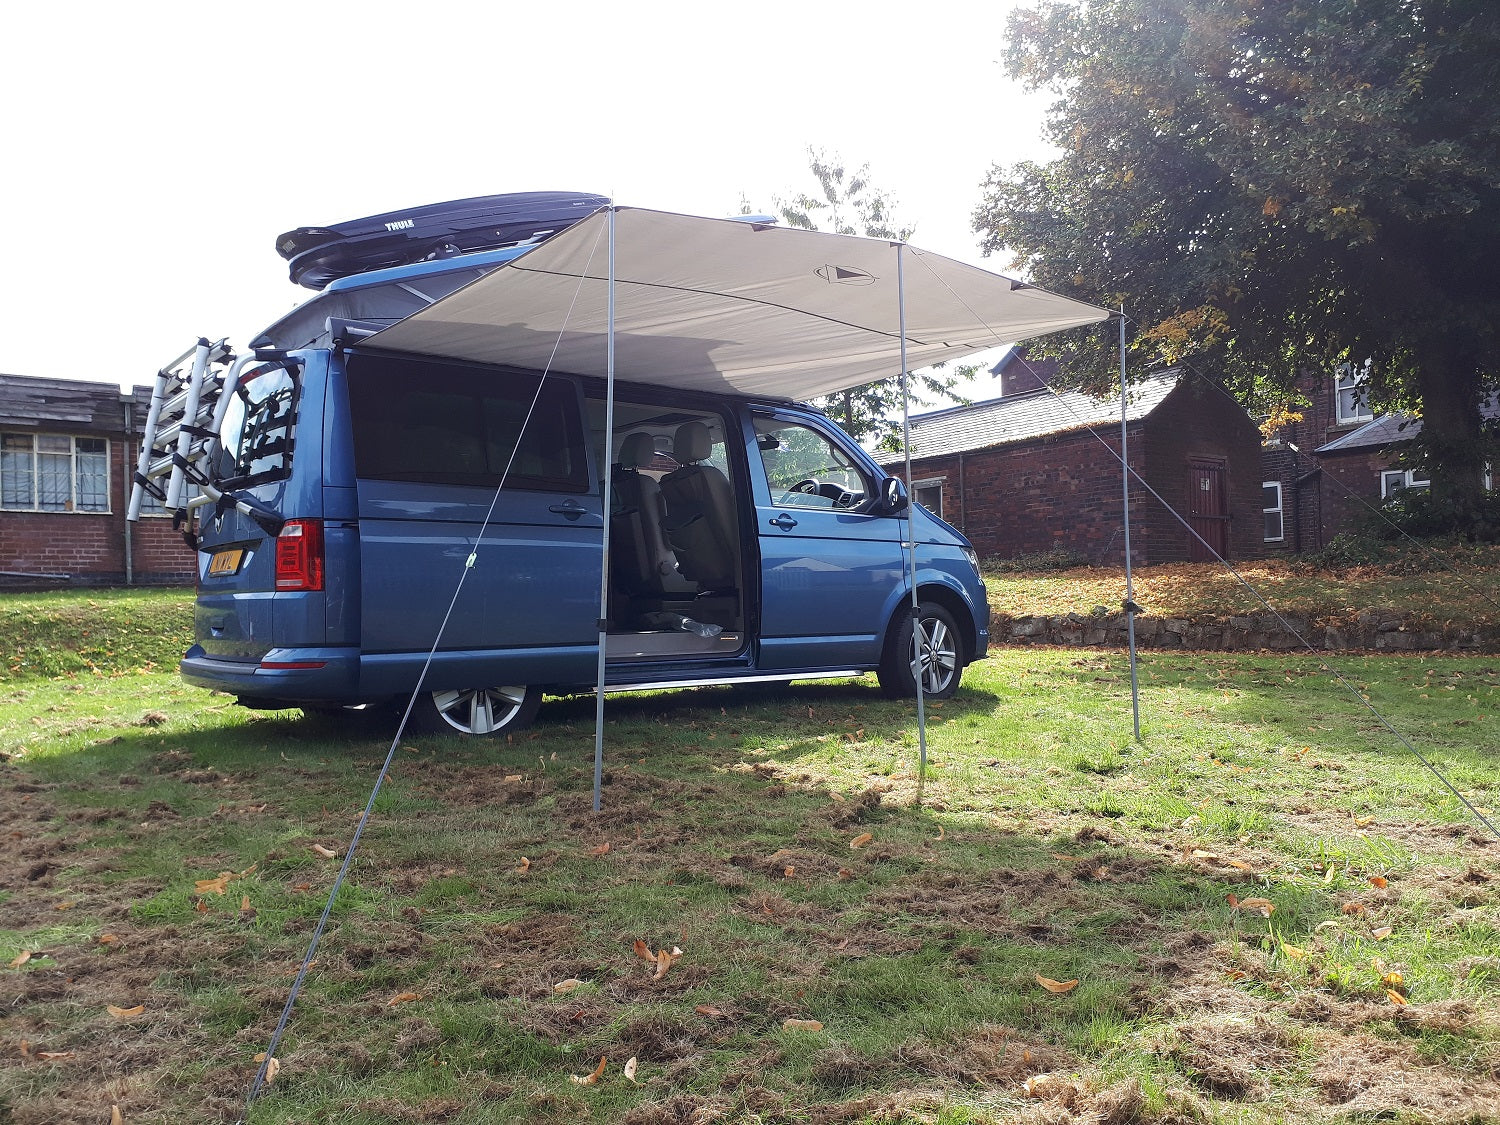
pixel 437 459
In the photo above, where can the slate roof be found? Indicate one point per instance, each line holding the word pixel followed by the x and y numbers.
pixel 1017 418
pixel 1391 428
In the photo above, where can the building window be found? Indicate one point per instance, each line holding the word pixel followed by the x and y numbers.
pixel 54 473
pixel 1271 503
pixel 929 494
pixel 1393 481
pixel 1350 391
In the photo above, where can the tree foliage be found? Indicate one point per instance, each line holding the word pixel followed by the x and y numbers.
pixel 1274 185
pixel 845 202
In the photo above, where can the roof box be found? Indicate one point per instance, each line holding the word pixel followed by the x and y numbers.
pixel 318 255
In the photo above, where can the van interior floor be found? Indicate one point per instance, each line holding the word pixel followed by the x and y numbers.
pixel 669 643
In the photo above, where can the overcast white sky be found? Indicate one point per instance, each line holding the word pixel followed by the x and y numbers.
pixel 153 151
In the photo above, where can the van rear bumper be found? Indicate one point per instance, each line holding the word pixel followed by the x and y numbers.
pixel 309 675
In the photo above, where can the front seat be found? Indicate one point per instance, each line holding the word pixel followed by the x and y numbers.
pixel 701 515
pixel 644 559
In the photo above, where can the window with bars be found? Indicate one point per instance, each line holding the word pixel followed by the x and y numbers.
pixel 54 473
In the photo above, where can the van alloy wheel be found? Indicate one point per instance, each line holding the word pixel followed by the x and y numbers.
pixel 486 711
pixel 937 656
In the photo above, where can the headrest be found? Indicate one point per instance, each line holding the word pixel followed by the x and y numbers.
pixel 693 443
pixel 636 450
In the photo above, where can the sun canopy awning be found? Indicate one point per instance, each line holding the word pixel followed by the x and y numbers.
pixel 725 305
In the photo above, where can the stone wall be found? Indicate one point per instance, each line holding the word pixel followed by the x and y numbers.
pixel 1373 630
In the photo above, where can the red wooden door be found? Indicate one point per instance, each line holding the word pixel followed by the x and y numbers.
pixel 1208 509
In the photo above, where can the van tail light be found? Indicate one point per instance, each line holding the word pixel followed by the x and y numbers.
pixel 299 555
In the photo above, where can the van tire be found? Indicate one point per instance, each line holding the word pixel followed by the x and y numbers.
pixel 942 655
pixel 478 712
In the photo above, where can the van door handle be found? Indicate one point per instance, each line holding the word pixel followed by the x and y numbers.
pixel 785 522
pixel 570 508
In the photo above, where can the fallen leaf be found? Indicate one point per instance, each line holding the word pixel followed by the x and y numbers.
pixel 1263 905
pixel 1236 974
pixel 1048 1086
pixel 217 886
pixel 402 998
pixel 1327 923
pixel 115 1118
pixel 200 905
pixel 26 1048
pixel 941 833
pixel 55 1056
pixel 845 874
pixel 590 1079
pixel 1381 934
pixel 630 1068
pixel 107 939
pixel 326 853
pixel 1394 980
pixel 1363 821
pixel 790 870
pixel 247 912
pixel 302 887
pixel 643 951
pixel 1294 952
pixel 20 959
pixel 861 840
pixel 1056 985
pixel 602 849
pixel 1352 908
pixel 563 987
pixel 801 1025
pixel 664 961
pixel 1241 864
pixel 1199 853
pixel 121 1013
pixel 64 906
pixel 710 1011
pixel 524 866
pixel 1378 881
pixel 514 777
pixel 1329 874
pixel 1396 998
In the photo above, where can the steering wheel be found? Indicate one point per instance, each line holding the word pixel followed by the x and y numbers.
pixel 808 487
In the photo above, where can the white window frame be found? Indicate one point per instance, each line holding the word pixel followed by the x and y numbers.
pixel 1280 537
pixel 73 453
pixel 1393 481
pixel 1351 386
pixel 929 482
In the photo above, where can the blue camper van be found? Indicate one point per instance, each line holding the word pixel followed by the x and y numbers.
pixel 374 520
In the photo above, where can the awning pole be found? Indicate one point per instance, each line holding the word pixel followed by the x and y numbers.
pixel 1131 609
pixel 609 498
pixel 917 637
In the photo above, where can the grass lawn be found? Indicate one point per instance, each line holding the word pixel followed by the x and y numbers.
pixel 1271 910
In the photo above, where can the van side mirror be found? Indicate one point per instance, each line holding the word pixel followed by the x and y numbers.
pixel 893 496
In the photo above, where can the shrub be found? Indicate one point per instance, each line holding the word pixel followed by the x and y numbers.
pixel 1058 558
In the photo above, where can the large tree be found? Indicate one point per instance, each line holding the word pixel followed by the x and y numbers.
pixel 844 201
pixel 1273 185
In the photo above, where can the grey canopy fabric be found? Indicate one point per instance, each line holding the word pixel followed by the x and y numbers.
pixel 726 305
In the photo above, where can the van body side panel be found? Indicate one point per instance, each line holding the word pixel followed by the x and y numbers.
pixel 534 582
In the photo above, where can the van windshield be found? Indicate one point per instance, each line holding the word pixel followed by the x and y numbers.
pixel 425 421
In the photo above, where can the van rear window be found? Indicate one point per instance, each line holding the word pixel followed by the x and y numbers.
pixel 442 424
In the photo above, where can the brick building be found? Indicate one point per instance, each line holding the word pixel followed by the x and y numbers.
pixel 1026 473
pixel 67 456
pixel 1326 470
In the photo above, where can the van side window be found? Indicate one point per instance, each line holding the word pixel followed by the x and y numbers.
pixel 258 428
pixel 806 470
pixel 441 424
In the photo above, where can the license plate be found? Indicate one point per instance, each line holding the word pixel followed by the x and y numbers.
pixel 225 562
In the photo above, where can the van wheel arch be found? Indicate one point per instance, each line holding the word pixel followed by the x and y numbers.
pixel 940 611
